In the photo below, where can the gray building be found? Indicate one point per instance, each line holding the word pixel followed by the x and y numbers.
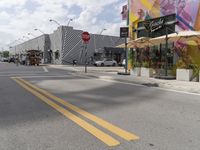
pixel 65 45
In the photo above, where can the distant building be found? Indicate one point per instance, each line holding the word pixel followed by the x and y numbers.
pixel 65 45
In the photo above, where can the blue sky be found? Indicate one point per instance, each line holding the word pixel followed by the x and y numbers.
pixel 19 17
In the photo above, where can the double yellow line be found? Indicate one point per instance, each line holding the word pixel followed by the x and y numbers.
pixel 50 99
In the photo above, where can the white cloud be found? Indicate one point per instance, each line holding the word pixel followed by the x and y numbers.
pixel 11 3
pixel 17 19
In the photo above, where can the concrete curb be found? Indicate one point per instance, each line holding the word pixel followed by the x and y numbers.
pixel 147 84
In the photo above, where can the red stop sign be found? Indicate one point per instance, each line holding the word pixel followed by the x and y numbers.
pixel 85 37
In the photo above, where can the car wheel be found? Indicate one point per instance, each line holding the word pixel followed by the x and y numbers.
pixel 102 64
pixel 113 64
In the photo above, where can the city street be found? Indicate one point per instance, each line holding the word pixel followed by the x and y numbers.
pixel 47 108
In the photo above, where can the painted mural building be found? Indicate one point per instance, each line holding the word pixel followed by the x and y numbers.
pixel 184 13
pixel 187 12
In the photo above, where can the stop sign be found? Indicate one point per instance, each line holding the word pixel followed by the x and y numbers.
pixel 85 37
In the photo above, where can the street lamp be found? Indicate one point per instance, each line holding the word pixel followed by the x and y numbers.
pixel 26 37
pixel 39 30
pixel 20 40
pixel 69 21
pixel 51 20
pixel 32 34
pixel 102 31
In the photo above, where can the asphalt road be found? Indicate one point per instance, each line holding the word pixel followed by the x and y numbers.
pixel 31 120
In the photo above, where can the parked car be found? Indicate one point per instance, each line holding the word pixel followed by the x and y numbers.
pixel 5 59
pixel 105 62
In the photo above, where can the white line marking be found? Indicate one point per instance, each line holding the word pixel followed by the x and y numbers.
pixel 44 76
pixel 45 69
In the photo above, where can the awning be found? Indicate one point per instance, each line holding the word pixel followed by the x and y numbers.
pixel 137 43
pixel 180 36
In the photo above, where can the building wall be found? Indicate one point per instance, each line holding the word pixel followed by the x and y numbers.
pixel 68 43
pixel 56 45
pixel 39 43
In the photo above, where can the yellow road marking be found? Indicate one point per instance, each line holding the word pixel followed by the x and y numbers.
pixel 107 139
pixel 112 128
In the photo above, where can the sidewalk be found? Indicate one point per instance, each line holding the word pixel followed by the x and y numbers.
pixel 105 74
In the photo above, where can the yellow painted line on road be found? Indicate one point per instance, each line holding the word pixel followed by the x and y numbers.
pixel 107 139
pixel 112 128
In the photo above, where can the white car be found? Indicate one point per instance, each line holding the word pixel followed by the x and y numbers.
pixel 105 62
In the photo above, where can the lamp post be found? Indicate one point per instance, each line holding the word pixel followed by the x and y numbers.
pixel 32 34
pixel 51 20
pixel 102 31
pixel 39 30
pixel 26 37
pixel 69 21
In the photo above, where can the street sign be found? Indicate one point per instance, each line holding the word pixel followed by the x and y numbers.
pixel 124 32
pixel 85 37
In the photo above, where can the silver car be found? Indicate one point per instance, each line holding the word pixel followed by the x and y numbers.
pixel 105 62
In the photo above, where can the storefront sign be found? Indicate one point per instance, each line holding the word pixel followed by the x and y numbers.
pixel 124 32
pixel 154 25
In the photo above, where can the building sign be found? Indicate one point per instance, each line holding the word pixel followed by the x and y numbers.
pixel 124 32
pixel 156 27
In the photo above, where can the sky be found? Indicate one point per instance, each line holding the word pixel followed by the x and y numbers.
pixel 20 17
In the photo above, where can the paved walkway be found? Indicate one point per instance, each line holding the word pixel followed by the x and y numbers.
pixel 110 73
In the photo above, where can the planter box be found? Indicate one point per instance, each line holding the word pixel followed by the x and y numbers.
pixel 184 74
pixel 136 71
pixel 146 72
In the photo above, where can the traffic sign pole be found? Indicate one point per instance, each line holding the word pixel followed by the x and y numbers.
pixel 124 31
pixel 86 39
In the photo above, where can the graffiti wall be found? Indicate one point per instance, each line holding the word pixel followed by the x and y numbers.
pixel 187 14
pixel 187 11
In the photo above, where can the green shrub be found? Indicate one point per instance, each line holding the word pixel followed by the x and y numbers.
pixel 146 64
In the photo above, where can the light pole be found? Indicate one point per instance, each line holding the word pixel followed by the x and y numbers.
pixel 69 21
pixel 21 40
pixel 51 20
pixel 102 31
pixel 26 37
pixel 32 34
pixel 39 30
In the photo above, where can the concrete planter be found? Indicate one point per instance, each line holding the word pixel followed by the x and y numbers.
pixel 184 74
pixel 146 72
pixel 136 71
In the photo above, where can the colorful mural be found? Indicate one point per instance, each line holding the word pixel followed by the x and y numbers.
pixel 187 12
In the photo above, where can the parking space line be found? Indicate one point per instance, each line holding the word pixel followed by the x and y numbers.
pixel 112 128
pixel 107 139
